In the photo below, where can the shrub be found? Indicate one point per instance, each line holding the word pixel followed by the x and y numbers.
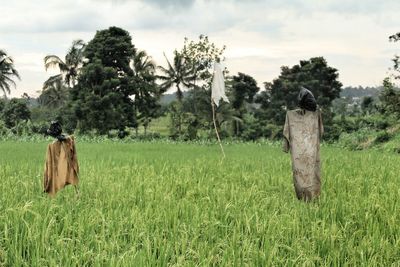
pixel 3 129
pixel 356 140
pixel 383 137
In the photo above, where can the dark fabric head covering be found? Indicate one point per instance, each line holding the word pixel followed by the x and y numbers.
pixel 55 131
pixel 307 100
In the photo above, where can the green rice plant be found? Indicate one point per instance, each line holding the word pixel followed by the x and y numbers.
pixel 166 203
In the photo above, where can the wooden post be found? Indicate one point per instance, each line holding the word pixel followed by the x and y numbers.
pixel 215 127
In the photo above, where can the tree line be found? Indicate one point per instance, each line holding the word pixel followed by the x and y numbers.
pixel 108 84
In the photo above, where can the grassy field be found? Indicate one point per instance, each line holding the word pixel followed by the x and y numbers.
pixel 160 204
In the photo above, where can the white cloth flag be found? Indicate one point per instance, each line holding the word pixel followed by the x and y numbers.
pixel 218 85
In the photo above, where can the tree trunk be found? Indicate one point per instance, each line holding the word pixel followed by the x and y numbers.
pixel 194 94
pixel 179 94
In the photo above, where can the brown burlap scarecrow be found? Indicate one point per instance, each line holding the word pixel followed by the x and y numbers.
pixel 61 167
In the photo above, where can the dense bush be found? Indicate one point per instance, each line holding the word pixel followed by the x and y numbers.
pixel 3 129
pixel 356 140
pixel 332 132
pixel 382 137
pixel 378 121
pixel 15 111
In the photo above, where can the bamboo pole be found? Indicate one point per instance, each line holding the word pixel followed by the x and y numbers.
pixel 215 127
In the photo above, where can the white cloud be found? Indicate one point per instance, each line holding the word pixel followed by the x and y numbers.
pixel 260 35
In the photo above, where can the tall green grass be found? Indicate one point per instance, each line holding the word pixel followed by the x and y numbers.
pixel 161 204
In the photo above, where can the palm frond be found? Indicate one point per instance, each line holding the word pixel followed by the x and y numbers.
pixel 50 81
pixel 53 61
pixel 7 73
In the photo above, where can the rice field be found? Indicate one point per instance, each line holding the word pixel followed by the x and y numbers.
pixel 166 204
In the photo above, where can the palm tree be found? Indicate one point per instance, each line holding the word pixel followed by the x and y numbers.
pixel 69 68
pixel 143 65
pixel 54 94
pixel 147 92
pixel 178 74
pixel 7 73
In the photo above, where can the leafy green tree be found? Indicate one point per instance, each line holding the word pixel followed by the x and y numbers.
pixel 263 99
pixel 200 57
pixel 314 74
pixel 242 91
pixel 69 68
pixel 367 104
pixel 15 111
pixel 7 73
pixel 102 98
pixel 198 104
pixel 390 98
pixel 252 130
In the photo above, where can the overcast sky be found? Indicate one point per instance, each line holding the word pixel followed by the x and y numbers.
pixel 260 36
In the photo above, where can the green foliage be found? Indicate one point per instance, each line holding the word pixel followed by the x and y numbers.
pixel 243 89
pixel 22 129
pixel 241 92
pixel 358 140
pixel 3 129
pixel 101 100
pixel 54 94
pixel 69 68
pixel 332 133
pixel 40 114
pixel 177 73
pixel 192 69
pixel 251 128
pixel 314 74
pixel 2 104
pixel 367 104
pixel 365 138
pixel 15 111
pixel 178 117
pixel 378 122
pixel 353 128
pixel 197 105
pixel 383 137
pixel 390 98
pixel 200 57
pixel 147 93
pixel 113 47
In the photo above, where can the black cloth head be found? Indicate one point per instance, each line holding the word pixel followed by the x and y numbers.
pixel 307 100
pixel 55 131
